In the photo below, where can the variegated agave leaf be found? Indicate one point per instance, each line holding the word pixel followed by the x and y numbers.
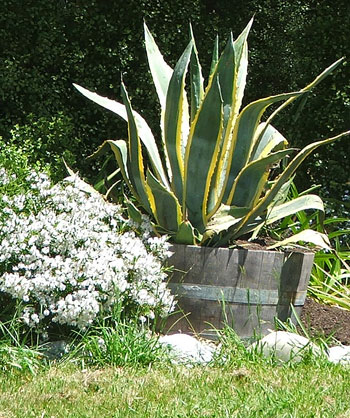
pixel 214 183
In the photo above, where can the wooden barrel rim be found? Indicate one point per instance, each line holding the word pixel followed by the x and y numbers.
pixel 237 295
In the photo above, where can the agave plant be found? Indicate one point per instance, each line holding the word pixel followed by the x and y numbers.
pixel 214 182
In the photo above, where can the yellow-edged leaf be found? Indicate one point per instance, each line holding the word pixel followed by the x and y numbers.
pixel 309 236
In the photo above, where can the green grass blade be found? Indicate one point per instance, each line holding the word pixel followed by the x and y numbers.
pixel 338 233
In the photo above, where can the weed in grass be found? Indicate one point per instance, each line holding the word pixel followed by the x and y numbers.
pixel 117 341
pixel 16 355
pixel 19 359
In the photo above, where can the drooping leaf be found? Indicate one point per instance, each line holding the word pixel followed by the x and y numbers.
pixel 306 89
pixel 285 176
pixel 291 207
pixel 144 131
pixel 308 235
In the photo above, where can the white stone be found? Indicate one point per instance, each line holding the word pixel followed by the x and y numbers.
pixel 285 346
pixel 187 349
pixel 339 354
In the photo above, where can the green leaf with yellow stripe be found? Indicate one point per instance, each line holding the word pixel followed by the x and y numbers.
pixel 165 206
pixel 268 141
pixel 213 181
pixel 243 137
pixel 201 156
pixel 251 181
pixel 284 177
pixel 135 160
pixel 176 111
pixel 160 70
pixel 144 130
pixel 196 79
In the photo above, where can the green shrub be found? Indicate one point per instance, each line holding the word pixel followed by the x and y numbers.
pixel 118 341
pixel 47 142
pixel 45 46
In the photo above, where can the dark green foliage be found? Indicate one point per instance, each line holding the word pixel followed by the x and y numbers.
pixel 45 46
pixel 16 164
pixel 48 141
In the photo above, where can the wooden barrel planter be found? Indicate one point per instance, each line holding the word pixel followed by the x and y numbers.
pixel 247 289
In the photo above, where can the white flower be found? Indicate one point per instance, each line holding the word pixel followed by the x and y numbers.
pixel 69 260
pixel 35 318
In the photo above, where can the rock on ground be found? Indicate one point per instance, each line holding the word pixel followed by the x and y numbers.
pixel 339 354
pixel 285 346
pixel 187 349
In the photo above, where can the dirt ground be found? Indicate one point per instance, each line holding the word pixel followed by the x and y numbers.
pixel 323 320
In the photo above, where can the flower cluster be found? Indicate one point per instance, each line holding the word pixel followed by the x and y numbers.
pixel 68 255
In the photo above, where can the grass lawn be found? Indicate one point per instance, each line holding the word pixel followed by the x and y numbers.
pixel 313 388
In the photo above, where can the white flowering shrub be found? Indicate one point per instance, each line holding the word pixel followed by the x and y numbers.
pixel 68 255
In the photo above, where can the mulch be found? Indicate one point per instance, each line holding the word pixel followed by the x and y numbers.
pixel 326 321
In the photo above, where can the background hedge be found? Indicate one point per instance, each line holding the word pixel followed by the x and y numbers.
pixel 45 46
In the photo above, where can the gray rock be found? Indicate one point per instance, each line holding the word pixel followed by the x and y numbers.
pixel 55 350
pixel 187 349
pixel 339 354
pixel 285 346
